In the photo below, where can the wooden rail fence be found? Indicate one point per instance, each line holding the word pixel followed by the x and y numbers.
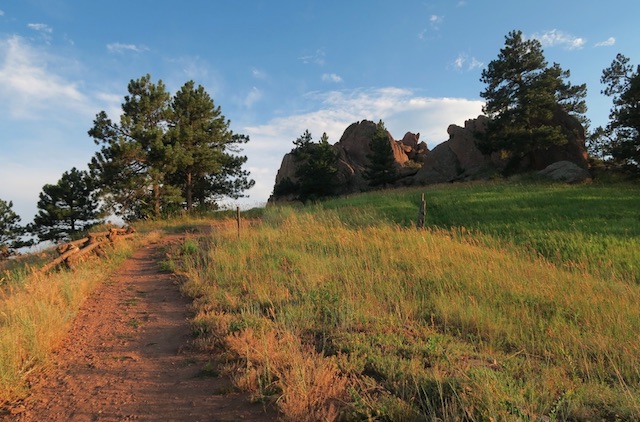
pixel 70 253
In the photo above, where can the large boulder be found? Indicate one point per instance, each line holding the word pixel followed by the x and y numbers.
pixel 566 171
pixel 440 165
pixel 287 169
pixel 457 158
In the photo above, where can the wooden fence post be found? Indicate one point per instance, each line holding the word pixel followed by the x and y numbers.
pixel 422 213
pixel 238 220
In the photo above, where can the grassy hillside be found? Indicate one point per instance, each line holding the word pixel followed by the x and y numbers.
pixel 519 302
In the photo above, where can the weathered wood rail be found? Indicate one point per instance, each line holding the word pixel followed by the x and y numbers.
pixel 71 252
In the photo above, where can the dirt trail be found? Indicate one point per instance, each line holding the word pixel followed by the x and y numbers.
pixel 128 357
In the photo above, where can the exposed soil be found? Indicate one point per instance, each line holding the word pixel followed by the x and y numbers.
pixel 129 356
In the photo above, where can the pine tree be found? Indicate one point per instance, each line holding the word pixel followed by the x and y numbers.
pixel 11 231
pixel 382 170
pixel 522 95
pixel 622 134
pixel 67 208
pixel 135 158
pixel 203 147
pixel 317 170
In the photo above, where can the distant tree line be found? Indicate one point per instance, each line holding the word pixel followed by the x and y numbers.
pixel 165 154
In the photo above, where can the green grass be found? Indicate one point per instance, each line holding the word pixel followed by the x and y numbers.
pixel 518 302
pixel 597 226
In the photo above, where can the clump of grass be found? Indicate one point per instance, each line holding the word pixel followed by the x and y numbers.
pixel 309 386
pixel 444 323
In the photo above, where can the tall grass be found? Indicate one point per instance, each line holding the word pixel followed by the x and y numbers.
pixel 36 312
pixel 392 323
pixel 593 226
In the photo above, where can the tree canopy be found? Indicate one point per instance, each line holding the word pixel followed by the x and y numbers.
pixel 522 94
pixel 202 144
pixel 11 231
pixel 318 167
pixel 622 134
pixel 67 208
pixel 382 170
pixel 166 152
pixel 134 157
pixel 316 170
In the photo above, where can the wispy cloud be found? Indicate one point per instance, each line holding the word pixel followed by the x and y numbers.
pixel 122 48
pixel 606 43
pixel 317 57
pixel 434 24
pixel 44 30
pixel 331 77
pixel 464 62
pixel 29 87
pixel 435 21
pixel 556 37
pixel 258 73
pixel 40 27
pixel 1 12
pixel 253 96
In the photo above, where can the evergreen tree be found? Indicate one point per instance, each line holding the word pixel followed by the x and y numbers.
pixel 10 230
pixel 622 134
pixel 382 170
pixel 522 95
pixel 135 159
pixel 302 143
pixel 66 208
pixel 203 147
pixel 317 170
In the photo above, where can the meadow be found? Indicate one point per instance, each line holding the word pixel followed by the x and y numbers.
pixel 518 301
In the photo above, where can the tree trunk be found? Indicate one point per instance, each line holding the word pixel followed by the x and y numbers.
pixel 156 199
pixel 189 191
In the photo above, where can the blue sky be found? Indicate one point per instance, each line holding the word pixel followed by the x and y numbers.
pixel 275 68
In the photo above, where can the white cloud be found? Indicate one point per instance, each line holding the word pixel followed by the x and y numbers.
pixel 40 27
pixel 331 77
pixel 555 37
pixel 435 21
pixel 402 110
pixel 29 87
pixel 252 97
pixel 317 57
pixel 121 48
pixel 464 62
pixel 258 74
pixel 1 13
pixel 606 43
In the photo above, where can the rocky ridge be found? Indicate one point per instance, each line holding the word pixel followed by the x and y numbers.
pixel 456 159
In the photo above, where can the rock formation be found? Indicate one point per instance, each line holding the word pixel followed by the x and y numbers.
pixel 458 158
pixel 353 149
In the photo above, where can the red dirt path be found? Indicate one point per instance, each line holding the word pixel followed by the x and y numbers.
pixel 129 357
